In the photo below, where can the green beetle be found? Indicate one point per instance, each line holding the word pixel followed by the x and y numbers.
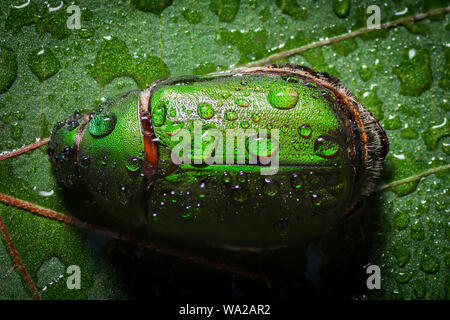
pixel 324 148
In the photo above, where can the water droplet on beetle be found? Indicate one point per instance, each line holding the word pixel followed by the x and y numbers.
pixel 85 161
pixel 134 164
pixel 305 131
pixel 283 98
pixel 326 147
pixel 205 111
pixel 262 146
pixel 315 199
pixel 296 181
pixel 284 128
pixel 66 153
pixel 174 127
pixel 231 115
pixel 245 124
pixel 72 125
pixel 270 187
pixel 102 124
pixel 256 118
pixel 241 103
pixel 226 178
pixel 159 115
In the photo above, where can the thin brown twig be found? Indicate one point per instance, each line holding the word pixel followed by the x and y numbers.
pixel 6 276
pixel 18 261
pixel 149 245
pixel 24 149
pixel 414 178
pixel 387 25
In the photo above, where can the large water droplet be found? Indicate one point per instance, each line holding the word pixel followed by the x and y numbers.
pixel 43 63
pixel 429 263
pixel 305 131
pixel 256 118
pixel 8 65
pixel 191 15
pixel 102 124
pixel 245 124
pixel 159 115
pixel 341 7
pixel 242 177
pixel 402 254
pixel 326 147
pixel 205 111
pixel 283 97
pixel 401 220
pixel 316 199
pixel 134 164
pixel 414 72
pixel 241 103
pixel 174 127
pixel 66 153
pixel 85 161
pixel 115 60
pixel 231 115
pixel 226 178
pixel 225 10
pixel 296 181
pixel 262 146
pixel 72 125
pixel 270 187
pixel 187 213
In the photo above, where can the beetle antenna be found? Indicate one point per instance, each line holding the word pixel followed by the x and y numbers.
pixel 25 149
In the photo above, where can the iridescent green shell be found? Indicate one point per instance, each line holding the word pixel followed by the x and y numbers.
pixel 330 149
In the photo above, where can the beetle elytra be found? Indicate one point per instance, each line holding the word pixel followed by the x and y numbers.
pixel 330 153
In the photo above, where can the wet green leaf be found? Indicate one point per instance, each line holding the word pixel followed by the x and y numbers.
pixel 50 71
